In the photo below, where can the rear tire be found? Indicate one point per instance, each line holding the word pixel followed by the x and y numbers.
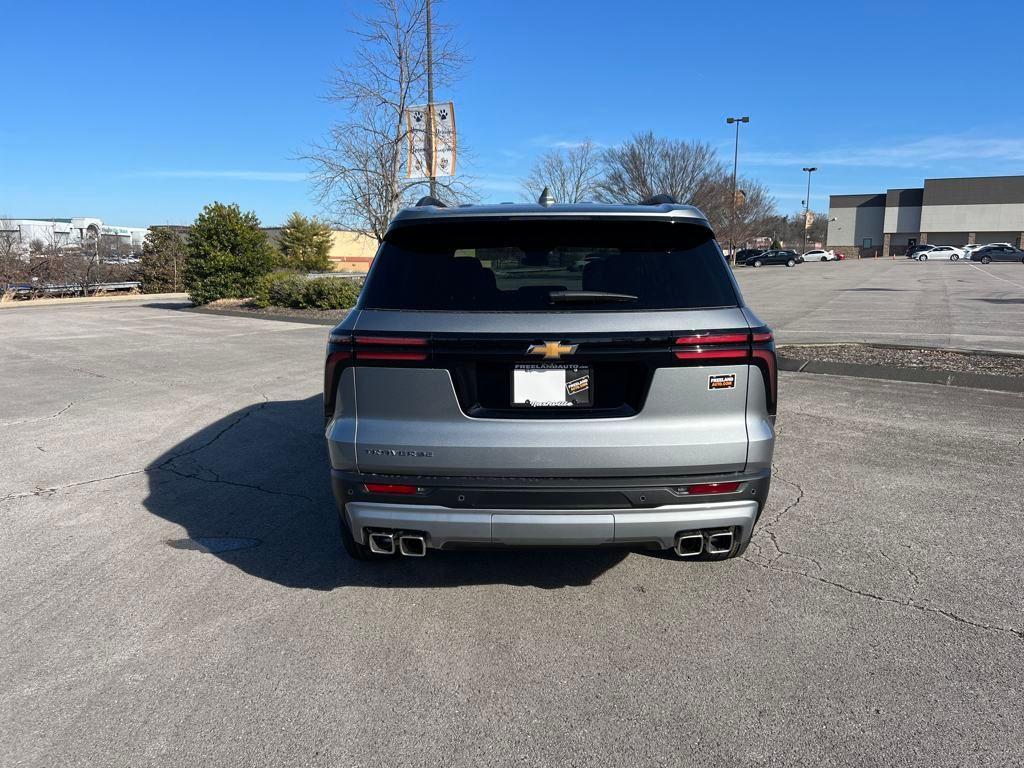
pixel 354 549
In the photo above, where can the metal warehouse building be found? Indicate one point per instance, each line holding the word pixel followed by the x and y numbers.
pixel 943 212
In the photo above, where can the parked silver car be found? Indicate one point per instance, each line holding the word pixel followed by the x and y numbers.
pixel 489 389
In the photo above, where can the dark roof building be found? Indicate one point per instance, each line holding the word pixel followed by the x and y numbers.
pixel 943 211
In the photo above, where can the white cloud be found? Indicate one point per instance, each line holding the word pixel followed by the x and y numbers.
pixel 912 154
pixel 288 176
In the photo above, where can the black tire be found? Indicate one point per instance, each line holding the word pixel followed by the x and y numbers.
pixel 954 257
pixel 922 257
pixel 354 549
pixel 791 263
pixel 757 263
pixel 986 260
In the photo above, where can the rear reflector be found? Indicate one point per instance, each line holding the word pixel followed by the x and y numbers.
pixel 388 488
pixel 706 488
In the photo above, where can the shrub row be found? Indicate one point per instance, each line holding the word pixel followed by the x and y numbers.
pixel 290 289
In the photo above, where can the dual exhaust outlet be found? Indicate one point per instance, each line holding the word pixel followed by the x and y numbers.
pixel 718 541
pixel 409 544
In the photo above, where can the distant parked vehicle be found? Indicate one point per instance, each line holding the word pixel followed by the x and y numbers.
pixel 789 258
pixel 948 252
pixel 970 248
pixel 819 255
pixel 913 250
pixel 745 253
pixel 991 253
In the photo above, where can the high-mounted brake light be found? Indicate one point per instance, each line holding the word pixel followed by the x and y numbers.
pixel 702 489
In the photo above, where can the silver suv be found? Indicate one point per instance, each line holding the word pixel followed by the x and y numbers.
pixel 550 375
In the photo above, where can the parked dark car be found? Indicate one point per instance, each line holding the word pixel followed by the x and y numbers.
pixel 745 253
pixel 789 258
pixel 992 253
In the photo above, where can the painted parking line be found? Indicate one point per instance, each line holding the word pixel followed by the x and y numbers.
pixel 997 277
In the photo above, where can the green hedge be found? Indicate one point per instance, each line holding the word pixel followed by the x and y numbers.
pixel 291 289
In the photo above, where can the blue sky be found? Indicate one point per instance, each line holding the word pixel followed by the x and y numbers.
pixel 140 113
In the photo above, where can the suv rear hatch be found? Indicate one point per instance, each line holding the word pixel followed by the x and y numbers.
pixel 464 327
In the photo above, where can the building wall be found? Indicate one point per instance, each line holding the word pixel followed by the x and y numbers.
pixel 903 211
pixel 855 218
pixel 989 217
pixel 352 251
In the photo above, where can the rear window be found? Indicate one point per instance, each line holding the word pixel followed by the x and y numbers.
pixel 551 265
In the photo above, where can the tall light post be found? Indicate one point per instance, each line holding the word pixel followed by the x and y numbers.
pixel 735 165
pixel 807 205
pixel 430 104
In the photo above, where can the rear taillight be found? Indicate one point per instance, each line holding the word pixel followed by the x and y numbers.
pixel 755 347
pixel 344 349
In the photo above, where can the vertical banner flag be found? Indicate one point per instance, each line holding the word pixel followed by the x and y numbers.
pixel 441 140
pixel 416 166
pixel 444 138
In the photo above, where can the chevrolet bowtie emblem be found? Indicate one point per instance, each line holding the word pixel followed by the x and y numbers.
pixel 552 350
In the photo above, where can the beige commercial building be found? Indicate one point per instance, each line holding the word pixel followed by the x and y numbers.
pixel 956 212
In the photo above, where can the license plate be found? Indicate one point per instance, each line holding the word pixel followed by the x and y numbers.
pixel 551 385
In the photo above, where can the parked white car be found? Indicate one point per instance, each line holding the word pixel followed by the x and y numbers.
pixel 940 252
pixel 819 255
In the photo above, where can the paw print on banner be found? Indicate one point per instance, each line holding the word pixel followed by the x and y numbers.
pixel 442 114
pixel 417 116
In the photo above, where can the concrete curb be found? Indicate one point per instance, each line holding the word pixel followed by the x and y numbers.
pixel 918 375
pixel 284 318
pixel 109 299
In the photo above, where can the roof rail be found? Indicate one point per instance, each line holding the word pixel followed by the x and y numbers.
pixel 428 200
pixel 660 200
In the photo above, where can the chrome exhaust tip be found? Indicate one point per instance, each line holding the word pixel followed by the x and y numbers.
pixel 382 543
pixel 689 543
pixel 720 542
pixel 412 546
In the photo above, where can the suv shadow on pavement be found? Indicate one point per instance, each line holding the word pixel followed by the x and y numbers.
pixel 253 490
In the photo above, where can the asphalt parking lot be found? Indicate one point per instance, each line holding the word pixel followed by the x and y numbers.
pixel 172 591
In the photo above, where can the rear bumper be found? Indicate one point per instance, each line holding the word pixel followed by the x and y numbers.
pixel 630 515
pixel 447 528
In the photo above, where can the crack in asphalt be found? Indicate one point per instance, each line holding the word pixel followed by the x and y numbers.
pixel 168 466
pixel 1019 634
pixel 767 527
pixel 51 490
pixel 37 418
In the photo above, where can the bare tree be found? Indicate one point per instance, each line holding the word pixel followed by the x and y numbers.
pixel 359 170
pixel 571 174
pixel 648 165
pixel 755 208
pixel 13 253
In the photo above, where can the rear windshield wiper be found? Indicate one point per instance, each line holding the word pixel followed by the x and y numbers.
pixel 559 297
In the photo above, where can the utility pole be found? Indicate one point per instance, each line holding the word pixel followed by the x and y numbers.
pixel 807 205
pixel 735 165
pixel 430 105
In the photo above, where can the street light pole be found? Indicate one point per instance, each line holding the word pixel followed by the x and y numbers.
pixel 735 165
pixel 807 205
pixel 430 105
